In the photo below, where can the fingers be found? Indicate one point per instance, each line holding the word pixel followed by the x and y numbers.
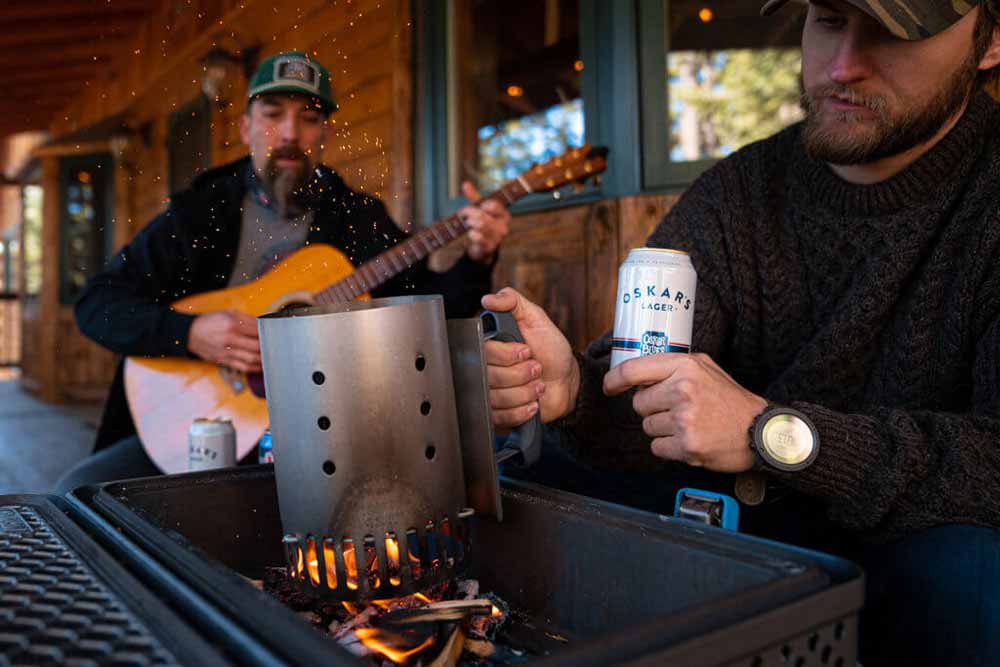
pixel 642 371
pixel 470 192
pixel 241 360
pixel 244 343
pixel 665 395
pixel 509 418
pixel 502 399
pixel 505 354
pixel 521 373
pixel 242 323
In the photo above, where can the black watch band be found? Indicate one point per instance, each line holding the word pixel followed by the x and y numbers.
pixel 784 439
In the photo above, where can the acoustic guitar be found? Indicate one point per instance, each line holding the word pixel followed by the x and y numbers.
pixel 166 394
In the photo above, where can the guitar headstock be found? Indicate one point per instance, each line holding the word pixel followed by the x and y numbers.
pixel 576 166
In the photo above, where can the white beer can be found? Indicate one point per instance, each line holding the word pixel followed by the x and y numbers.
pixel 655 308
pixel 211 444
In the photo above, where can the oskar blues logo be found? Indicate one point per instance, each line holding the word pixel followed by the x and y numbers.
pixel 653 342
pixel 680 300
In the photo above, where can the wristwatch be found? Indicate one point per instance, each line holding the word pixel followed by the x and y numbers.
pixel 784 438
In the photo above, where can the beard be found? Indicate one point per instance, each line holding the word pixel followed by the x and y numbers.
pixel 284 185
pixel 849 138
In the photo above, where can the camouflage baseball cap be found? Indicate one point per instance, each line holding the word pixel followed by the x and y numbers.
pixel 906 19
pixel 293 72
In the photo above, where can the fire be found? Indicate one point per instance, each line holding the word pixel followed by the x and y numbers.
pixel 351 565
pixel 313 562
pixel 423 598
pixel 392 554
pixel 372 638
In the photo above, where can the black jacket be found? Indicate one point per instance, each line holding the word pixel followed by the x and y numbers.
pixel 191 248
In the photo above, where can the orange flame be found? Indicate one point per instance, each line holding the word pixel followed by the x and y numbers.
pixel 313 562
pixel 392 554
pixel 298 567
pixel 423 598
pixel 370 637
pixel 351 565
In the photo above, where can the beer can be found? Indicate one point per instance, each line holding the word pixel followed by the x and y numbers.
pixel 265 448
pixel 211 444
pixel 655 307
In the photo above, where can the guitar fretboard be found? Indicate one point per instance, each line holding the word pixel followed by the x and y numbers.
pixel 399 258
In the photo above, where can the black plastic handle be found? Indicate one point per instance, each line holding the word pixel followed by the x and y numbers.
pixel 527 446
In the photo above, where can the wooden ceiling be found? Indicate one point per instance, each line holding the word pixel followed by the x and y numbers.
pixel 51 49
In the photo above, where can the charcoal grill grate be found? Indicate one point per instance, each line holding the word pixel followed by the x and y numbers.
pixel 55 611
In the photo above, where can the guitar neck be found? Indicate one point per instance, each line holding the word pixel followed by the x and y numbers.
pixel 399 258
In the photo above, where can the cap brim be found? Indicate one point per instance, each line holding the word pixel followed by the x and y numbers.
pixel 328 106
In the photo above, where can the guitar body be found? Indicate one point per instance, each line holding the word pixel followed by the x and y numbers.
pixel 166 394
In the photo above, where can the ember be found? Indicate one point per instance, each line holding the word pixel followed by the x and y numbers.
pixel 450 624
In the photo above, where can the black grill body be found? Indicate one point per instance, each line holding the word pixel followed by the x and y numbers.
pixel 627 587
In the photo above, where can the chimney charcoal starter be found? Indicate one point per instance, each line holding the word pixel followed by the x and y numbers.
pixel 362 405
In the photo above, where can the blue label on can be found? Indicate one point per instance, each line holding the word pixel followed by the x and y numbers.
pixel 265 449
pixel 653 342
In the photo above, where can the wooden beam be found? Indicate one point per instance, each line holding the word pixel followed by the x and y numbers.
pixel 25 33
pixel 31 55
pixel 80 73
pixel 51 10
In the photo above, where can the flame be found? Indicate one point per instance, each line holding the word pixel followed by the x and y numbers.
pixel 313 561
pixel 351 609
pixel 351 565
pixel 298 567
pixel 423 598
pixel 496 613
pixel 392 555
pixel 370 637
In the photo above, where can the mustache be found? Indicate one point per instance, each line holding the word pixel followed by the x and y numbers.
pixel 875 103
pixel 287 153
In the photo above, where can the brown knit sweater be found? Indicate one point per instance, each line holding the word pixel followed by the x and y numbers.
pixel 875 310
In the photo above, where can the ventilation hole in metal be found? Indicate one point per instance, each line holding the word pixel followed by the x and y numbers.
pixel 757 662
pixel 801 662
pixel 330 564
pixel 826 653
pixel 413 553
pixel 350 563
pixel 329 468
pixel 312 561
pixel 392 558
pixel 371 562
pixel 786 652
pixel 839 663
pixel 323 423
pixel 813 642
pixel 319 378
pixel 430 452
pixel 838 631
pixel 447 545
pixel 425 408
pixel 421 363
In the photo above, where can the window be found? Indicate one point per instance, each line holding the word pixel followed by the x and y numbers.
pixel 31 231
pixel 508 83
pixel 731 78
pixel 84 204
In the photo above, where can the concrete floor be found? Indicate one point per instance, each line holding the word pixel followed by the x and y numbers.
pixel 39 441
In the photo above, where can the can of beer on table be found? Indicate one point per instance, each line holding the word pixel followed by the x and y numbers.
pixel 655 308
pixel 265 448
pixel 211 444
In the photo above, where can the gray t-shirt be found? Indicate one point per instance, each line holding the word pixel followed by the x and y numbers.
pixel 265 240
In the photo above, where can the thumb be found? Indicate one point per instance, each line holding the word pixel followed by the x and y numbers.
pixel 470 192
pixel 509 300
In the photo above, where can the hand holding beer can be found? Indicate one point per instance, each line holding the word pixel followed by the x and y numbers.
pixel 211 444
pixel 655 307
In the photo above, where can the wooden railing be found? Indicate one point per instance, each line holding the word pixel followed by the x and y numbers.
pixel 10 329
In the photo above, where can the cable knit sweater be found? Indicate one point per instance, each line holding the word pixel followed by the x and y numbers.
pixel 875 310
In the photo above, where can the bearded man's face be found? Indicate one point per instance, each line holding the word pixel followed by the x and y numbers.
pixel 285 135
pixel 869 95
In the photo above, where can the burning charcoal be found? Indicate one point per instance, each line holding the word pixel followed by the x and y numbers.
pixel 344 629
pixel 480 647
pixel 486 627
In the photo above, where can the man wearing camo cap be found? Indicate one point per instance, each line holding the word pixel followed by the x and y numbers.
pixel 845 384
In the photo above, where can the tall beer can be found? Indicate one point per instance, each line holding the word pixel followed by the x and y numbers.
pixel 211 444
pixel 655 307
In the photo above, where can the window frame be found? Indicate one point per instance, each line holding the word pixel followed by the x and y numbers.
pixel 102 166
pixel 610 58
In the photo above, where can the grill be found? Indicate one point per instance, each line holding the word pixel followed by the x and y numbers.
pixel 626 587
pixel 64 602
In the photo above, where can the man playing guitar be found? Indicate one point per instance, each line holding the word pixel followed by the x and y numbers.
pixel 235 223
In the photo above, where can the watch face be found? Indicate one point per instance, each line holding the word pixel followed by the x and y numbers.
pixel 787 439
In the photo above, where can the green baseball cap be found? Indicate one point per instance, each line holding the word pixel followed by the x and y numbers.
pixel 293 72
pixel 906 19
